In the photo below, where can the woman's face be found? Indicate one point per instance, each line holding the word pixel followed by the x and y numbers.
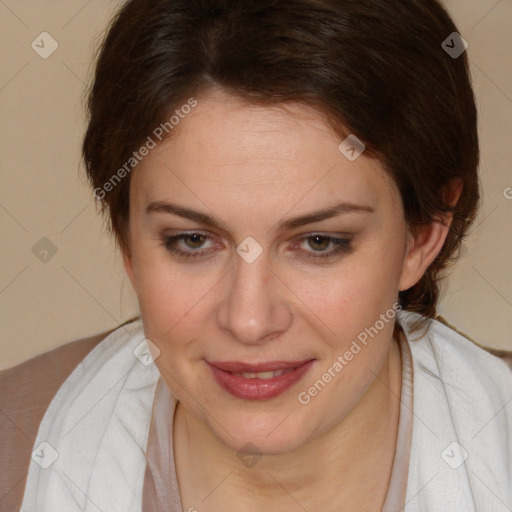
pixel 232 264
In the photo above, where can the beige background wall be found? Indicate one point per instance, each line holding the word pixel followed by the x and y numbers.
pixel 45 204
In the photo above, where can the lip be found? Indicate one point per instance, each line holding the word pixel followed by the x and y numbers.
pixel 235 366
pixel 258 389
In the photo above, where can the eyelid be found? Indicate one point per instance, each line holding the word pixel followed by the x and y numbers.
pixel 180 235
pixel 341 244
pixel 337 236
pixel 208 234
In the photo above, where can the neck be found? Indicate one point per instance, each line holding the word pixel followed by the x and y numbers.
pixel 350 464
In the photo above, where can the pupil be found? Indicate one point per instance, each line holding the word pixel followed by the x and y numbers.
pixel 196 240
pixel 321 238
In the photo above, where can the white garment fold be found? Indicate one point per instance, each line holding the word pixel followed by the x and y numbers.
pixel 99 420
pixel 461 456
pixel 98 424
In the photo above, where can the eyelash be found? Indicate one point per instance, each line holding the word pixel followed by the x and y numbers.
pixel 341 245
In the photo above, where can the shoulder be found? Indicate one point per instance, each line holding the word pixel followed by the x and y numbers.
pixel 39 378
pixel 475 383
pixel 26 391
pixel 462 395
pixel 454 353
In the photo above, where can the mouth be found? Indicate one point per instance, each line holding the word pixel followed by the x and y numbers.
pixel 261 381
pixel 262 375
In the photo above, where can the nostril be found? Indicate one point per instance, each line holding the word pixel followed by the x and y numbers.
pixel 272 335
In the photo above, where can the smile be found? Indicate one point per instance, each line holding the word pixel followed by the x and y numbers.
pixel 262 375
pixel 258 381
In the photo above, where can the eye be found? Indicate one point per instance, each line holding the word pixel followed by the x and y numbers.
pixel 186 245
pixel 319 245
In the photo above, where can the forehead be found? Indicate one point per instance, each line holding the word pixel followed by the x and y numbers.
pixel 226 148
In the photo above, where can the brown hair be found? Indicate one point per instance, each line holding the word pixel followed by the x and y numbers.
pixel 375 69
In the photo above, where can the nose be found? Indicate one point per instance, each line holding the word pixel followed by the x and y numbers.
pixel 254 309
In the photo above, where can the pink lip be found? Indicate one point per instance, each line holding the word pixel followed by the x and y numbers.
pixel 258 389
pixel 237 367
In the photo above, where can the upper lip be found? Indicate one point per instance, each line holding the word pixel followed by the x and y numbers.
pixel 240 367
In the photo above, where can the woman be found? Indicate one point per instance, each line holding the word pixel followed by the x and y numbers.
pixel 288 182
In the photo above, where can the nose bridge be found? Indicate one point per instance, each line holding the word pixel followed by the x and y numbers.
pixel 254 306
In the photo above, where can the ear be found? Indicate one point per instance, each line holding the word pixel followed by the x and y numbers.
pixel 425 244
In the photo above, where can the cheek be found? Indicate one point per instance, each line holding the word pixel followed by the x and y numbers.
pixel 355 323
pixel 351 296
pixel 173 298
pixel 172 312
pixel 344 298
pixel 160 289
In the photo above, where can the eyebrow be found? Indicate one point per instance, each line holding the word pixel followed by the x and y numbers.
pixel 290 223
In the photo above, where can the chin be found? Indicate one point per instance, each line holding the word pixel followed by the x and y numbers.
pixel 260 433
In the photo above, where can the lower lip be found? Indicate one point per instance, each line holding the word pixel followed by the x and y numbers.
pixel 258 389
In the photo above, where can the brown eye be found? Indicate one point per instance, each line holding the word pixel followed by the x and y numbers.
pixel 319 242
pixel 189 245
pixel 196 240
pixel 321 247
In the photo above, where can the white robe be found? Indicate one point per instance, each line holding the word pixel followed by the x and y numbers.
pixel 89 454
pixel 461 457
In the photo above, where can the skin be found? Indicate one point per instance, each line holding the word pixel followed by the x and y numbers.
pixel 250 167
